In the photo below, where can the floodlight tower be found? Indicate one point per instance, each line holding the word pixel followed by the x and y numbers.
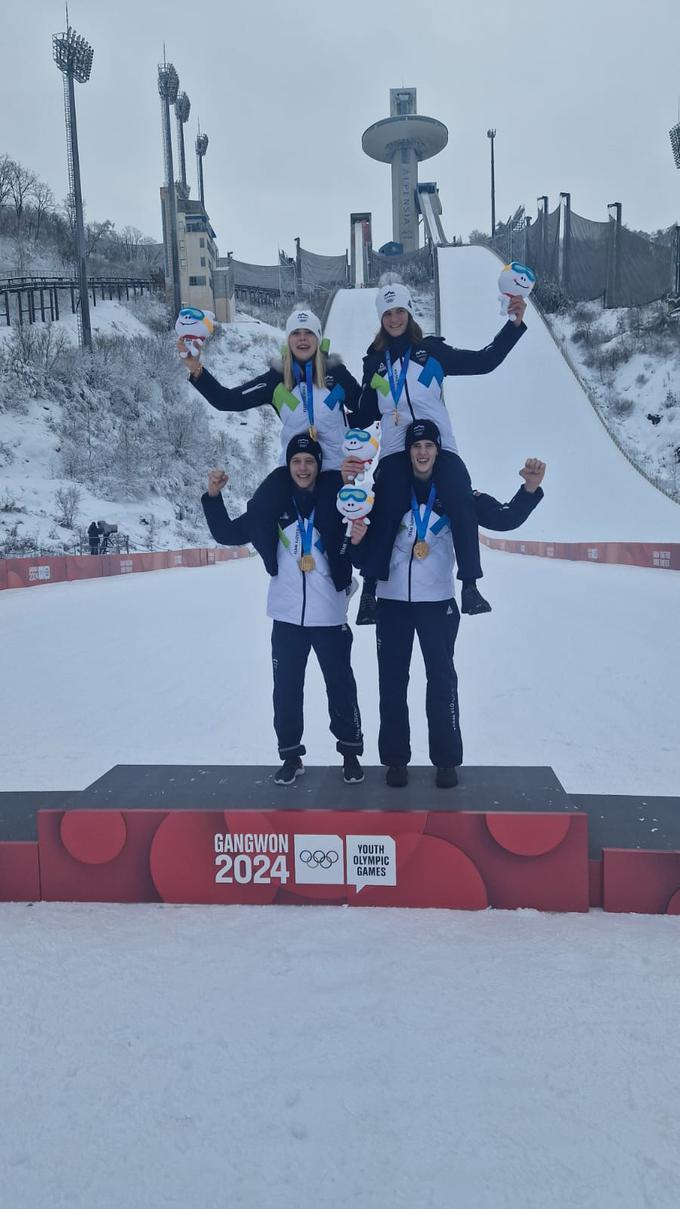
pixel 182 111
pixel 73 56
pixel 491 135
pixel 675 144
pixel 201 148
pixel 404 139
pixel 675 147
pixel 168 87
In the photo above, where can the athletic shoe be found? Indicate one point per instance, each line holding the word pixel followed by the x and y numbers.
pixel 289 770
pixel 397 776
pixel 352 772
pixel 446 778
pixel 472 601
pixel 366 613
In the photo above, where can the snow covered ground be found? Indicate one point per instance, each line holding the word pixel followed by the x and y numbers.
pixel 31 449
pixel 639 399
pixel 574 668
pixel 266 1058
pixel 319 1058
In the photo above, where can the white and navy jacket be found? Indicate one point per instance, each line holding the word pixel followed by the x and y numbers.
pixel 414 580
pixel 422 398
pixel 334 405
pixel 304 598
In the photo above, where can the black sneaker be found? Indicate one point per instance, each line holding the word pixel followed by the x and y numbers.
pixel 366 613
pixel 289 770
pixel 472 601
pixel 397 776
pixel 352 772
pixel 446 778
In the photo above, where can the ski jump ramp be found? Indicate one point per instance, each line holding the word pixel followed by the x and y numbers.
pixel 531 406
pixel 351 325
pixel 534 406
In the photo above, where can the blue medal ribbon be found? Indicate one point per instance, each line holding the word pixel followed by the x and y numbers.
pixel 422 522
pixel 306 528
pixel 397 388
pixel 308 391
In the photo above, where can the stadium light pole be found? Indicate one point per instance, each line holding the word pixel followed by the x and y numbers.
pixel 675 143
pixel 73 56
pixel 182 111
pixel 201 148
pixel 675 147
pixel 491 135
pixel 168 87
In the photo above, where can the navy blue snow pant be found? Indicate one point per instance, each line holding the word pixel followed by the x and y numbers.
pixel 436 624
pixel 393 480
pixel 332 646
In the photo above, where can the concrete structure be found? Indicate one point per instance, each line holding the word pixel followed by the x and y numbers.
pixel 360 243
pixel 403 140
pixel 198 256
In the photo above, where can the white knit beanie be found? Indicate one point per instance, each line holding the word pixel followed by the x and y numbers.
pixel 302 318
pixel 391 296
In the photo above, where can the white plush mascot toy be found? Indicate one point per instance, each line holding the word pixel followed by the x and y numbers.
pixel 354 503
pixel 193 326
pixel 515 279
pixel 362 443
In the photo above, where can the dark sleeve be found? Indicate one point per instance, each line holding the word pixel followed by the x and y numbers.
pixel 352 392
pixel 466 361
pixel 367 409
pixel 358 554
pixel 223 529
pixel 491 514
pixel 238 398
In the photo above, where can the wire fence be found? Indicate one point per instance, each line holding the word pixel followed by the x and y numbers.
pixel 594 259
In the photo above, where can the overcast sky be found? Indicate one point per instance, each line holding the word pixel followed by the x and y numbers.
pixel 582 95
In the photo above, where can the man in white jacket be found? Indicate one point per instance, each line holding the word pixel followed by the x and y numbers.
pixel 302 547
pixel 418 598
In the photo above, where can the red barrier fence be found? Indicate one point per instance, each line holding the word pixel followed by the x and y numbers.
pixel 660 555
pixel 30 572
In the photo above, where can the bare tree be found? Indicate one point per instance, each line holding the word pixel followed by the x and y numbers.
pixel 42 200
pixel 130 239
pixel 22 184
pixel 68 501
pixel 6 170
pixel 99 233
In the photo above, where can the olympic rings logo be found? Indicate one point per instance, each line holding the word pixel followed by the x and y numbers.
pixel 319 859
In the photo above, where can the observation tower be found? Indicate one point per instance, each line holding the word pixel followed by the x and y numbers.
pixel 404 139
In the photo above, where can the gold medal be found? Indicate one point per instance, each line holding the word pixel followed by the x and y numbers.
pixel 306 563
pixel 313 433
pixel 421 550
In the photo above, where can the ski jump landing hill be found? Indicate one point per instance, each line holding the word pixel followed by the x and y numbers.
pixel 511 837
pixel 597 506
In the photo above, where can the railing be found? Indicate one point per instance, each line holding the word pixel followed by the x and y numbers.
pixel 35 299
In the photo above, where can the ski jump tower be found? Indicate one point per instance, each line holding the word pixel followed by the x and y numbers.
pixel 404 139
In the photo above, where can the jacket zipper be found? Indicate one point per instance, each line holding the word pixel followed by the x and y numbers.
pixel 410 564
pixel 408 400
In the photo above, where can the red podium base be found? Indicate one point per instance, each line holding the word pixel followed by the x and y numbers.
pixel 368 858
pixel 504 838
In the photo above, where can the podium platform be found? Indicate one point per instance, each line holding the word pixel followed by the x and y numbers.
pixel 504 837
